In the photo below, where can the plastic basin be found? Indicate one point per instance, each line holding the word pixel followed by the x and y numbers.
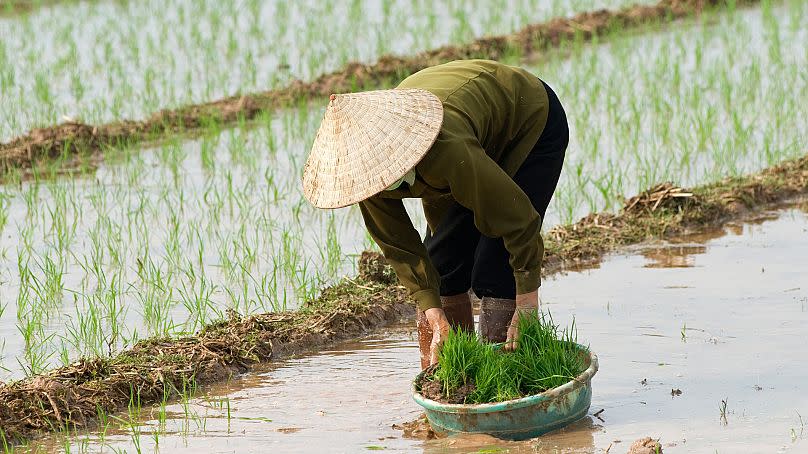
pixel 516 419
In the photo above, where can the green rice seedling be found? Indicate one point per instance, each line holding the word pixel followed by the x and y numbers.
pixel 546 357
pixel 494 379
pixel 5 201
pixel 798 435
pixel 6 446
pixel 197 301
pixel 487 376
pixel 459 359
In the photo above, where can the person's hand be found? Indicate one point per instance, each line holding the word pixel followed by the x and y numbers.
pixel 440 329
pixel 526 303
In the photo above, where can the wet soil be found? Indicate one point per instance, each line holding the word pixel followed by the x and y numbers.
pixel 645 445
pixel 13 7
pixel 432 389
pixel 73 138
pixel 724 329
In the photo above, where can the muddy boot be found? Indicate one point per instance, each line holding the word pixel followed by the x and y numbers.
pixel 495 316
pixel 458 311
pixel 424 338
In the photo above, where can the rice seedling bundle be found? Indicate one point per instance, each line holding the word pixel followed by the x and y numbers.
pixel 472 371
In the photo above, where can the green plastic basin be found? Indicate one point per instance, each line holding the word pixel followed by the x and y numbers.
pixel 517 419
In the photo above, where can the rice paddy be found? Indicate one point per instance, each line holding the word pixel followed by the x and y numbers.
pixel 162 241
pixel 164 238
pixel 128 60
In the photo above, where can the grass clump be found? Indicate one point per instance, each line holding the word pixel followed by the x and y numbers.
pixel 471 371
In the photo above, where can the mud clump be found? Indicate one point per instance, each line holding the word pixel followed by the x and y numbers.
pixel 645 445
pixel 419 429
pixel 77 138
pixel 433 389
pixel 665 195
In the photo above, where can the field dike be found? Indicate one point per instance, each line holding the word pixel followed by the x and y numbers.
pixel 14 7
pixel 69 139
pixel 156 370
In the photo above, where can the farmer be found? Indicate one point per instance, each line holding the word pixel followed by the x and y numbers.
pixel 482 145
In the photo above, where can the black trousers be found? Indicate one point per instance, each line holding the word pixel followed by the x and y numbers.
pixel 467 259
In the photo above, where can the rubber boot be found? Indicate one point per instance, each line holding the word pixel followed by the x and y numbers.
pixel 495 316
pixel 424 337
pixel 458 311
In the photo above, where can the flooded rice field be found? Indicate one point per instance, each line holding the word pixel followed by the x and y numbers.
pixel 699 341
pixel 163 240
pixel 695 110
pixel 150 55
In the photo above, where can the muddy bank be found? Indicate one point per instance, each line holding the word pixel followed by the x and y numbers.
pixel 157 369
pixel 12 7
pixel 73 138
pixel 665 211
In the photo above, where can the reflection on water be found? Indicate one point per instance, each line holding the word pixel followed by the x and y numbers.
pixel 672 256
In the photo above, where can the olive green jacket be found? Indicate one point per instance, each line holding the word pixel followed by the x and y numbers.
pixel 493 115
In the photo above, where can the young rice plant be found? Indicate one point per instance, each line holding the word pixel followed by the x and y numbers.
pixel 547 357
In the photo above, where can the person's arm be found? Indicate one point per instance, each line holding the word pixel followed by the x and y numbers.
pixel 501 209
pixel 390 227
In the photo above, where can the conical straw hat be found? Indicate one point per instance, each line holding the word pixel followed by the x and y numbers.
pixel 367 141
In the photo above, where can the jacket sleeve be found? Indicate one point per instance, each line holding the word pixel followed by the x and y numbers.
pixel 390 226
pixel 501 208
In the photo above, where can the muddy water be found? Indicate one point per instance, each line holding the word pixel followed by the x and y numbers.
pixel 719 317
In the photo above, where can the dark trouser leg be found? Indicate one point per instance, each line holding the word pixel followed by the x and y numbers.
pixel 492 276
pixel 451 250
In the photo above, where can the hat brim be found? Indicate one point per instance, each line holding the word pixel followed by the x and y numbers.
pixel 367 141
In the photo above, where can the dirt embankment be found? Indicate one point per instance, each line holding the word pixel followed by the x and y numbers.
pixel 73 138
pixel 666 210
pixel 159 369
pixel 12 7
pixel 156 369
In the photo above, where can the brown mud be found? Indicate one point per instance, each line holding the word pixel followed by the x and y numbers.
pixel 645 445
pixel 156 369
pixel 433 389
pixel 417 429
pixel 13 7
pixel 74 138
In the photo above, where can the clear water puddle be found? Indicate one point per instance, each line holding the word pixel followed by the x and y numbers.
pixel 720 317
